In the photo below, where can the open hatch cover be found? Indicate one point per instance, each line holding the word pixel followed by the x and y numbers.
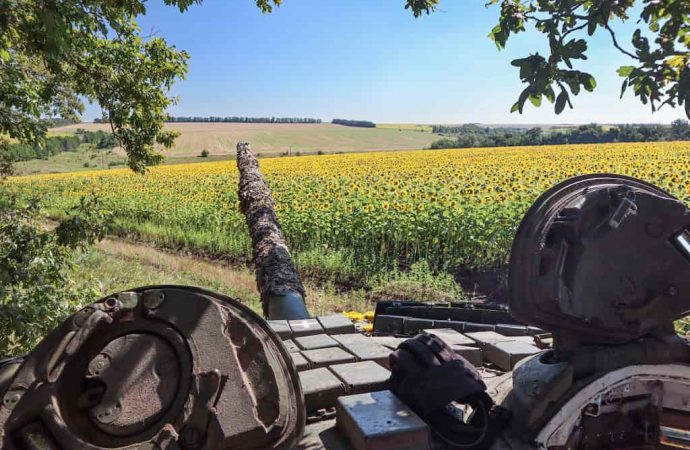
pixel 602 259
pixel 158 367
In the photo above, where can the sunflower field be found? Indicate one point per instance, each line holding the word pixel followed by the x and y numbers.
pixel 373 211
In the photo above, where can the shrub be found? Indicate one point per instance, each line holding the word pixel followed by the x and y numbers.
pixel 204 154
pixel 34 293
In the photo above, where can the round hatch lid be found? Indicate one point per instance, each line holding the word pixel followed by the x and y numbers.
pixel 166 367
pixel 602 258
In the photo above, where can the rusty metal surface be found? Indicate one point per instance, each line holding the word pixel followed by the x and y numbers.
pixel 180 368
pixel 595 262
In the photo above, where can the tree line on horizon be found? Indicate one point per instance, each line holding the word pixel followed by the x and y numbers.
pixel 471 135
pixel 354 123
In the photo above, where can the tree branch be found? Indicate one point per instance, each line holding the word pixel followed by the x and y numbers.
pixel 615 43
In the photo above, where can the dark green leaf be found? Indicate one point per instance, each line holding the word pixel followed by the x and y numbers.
pixel 560 101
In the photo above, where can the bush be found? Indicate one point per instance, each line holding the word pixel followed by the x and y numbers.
pixel 34 293
pixel 204 154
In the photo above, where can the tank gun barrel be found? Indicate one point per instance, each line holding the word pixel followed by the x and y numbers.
pixel 282 293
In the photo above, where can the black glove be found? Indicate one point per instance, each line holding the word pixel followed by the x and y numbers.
pixel 434 381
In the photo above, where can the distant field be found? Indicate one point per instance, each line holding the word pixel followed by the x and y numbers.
pixel 221 138
pixel 405 127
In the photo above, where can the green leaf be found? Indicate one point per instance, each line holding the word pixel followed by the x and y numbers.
pixel 624 87
pixel 516 107
pixel 590 83
pixel 625 71
pixel 591 27
pixel 535 100
pixel 560 101
pixel 523 99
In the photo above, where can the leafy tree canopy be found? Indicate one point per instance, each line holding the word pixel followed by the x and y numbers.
pixel 659 49
pixel 54 53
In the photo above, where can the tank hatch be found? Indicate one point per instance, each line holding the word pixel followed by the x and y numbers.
pixel 602 259
pixel 157 367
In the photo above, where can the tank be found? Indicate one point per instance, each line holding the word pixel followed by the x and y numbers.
pixel 584 356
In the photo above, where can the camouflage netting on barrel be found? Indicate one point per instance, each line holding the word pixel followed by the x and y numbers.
pixel 282 293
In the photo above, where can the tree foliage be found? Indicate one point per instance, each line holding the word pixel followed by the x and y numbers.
pixel 34 291
pixel 659 48
pixel 54 53
pixel 470 135
pixel 354 123
pixel 55 145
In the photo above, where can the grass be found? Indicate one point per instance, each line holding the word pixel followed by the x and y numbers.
pixel 83 158
pixel 115 265
pixel 276 139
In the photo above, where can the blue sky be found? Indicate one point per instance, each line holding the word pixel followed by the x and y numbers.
pixel 370 59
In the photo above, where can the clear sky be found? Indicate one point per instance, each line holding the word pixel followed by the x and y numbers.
pixel 371 59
